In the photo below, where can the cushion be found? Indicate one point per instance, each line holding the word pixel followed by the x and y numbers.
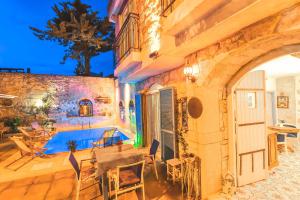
pixel 128 178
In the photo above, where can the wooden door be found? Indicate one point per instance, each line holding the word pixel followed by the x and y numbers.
pixel 250 123
pixel 167 123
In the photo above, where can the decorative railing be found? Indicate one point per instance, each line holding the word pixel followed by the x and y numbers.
pixel 167 6
pixel 128 38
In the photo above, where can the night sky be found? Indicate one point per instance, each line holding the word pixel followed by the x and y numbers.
pixel 19 48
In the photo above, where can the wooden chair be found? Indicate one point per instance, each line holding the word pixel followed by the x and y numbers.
pixel 38 129
pixel 83 176
pixel 127 178
pixel 281 140
pixel 151 158
pixel 32 135
pixel 27 150
pixel 3 129
pixel 294 136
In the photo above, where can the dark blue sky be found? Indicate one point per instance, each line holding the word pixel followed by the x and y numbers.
pixel 20 48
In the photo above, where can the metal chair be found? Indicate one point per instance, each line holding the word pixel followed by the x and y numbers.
pixel 83 176
pixel 127 178
pixel 151 158
pixel 109 141
pixel 101 143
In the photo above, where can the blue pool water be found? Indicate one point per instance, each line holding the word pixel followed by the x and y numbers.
pixel 83 138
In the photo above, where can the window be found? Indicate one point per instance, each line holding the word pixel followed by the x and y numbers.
pixel 85 108
pixel 251 98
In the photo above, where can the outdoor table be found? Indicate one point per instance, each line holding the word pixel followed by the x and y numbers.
pixel 106 161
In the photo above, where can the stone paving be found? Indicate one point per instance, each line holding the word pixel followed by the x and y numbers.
pixel 61 185
pixel 283 182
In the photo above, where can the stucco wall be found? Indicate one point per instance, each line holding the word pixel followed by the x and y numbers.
pixel 67 92
pixel 285 86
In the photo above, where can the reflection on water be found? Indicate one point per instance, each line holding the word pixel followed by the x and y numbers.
pixel 83 138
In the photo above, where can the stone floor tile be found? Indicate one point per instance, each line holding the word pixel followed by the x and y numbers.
pixel 22 182
pixel 37 191
pixel 14 193
pixel 5 185
pixel 61 188
pixel 43 179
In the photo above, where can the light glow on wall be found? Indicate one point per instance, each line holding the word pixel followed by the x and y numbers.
pixel 39 103
pixel 153 14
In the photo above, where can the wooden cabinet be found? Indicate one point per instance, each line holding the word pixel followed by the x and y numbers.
pixel 272 150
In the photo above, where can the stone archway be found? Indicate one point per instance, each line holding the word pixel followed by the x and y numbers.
pixel 222 65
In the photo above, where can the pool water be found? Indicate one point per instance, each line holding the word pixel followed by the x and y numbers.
pixel 83 138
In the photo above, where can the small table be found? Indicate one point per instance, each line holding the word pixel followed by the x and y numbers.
pixel 284 130
pixel 107 161
pixel 175 169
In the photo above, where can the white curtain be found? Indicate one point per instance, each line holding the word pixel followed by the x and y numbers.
pixel 153 118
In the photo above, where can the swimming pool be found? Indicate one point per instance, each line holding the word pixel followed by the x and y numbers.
pixel 83 138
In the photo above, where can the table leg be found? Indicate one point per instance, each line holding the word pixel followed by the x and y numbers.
pixel 105 186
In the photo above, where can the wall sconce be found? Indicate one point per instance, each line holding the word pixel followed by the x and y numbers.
pixel 39 103
pixel 191 72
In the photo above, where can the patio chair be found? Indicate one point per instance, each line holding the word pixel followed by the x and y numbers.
pixel 100 142
pixel 41 130
pixel 32 135
pixel 151 159
pixel 109 141
pixel 3 129
pixel 127 178
pixel 26 150
pixel 83 176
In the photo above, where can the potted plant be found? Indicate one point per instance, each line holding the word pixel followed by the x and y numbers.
pixel 72 145
pixel 13 124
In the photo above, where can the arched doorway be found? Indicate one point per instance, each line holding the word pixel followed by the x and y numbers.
pixel 222 65
pixel 236 129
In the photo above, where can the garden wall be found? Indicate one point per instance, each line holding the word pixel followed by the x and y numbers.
pixel 59 97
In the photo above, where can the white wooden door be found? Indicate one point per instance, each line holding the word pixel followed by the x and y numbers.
pixel 250 128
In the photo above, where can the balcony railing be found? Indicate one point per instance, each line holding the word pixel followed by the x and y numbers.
pixel 167 6
pixel 128 38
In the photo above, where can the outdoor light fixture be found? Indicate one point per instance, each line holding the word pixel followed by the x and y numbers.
pixel 191 72
pixel 39 103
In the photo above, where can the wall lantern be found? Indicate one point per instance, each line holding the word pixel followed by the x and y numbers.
pixel 191 72
pixel 39 103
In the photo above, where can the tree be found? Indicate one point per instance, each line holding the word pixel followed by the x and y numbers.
pixel 80 30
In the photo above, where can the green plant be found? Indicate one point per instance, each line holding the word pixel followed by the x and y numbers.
pixel 79 29
pixel 72 145
pixel 182 141
pixel 13 124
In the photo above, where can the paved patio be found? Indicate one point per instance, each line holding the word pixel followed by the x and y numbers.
pixel 61 185
pixel 283 182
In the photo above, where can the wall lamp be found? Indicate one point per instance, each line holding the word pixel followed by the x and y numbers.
pixel 191 72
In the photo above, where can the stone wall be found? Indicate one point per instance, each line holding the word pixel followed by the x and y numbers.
pixel 67 91
pixel 221 65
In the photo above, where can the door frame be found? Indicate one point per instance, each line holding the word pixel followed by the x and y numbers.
pixel 174 123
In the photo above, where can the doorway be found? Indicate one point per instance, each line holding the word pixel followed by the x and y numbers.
pixel 265 97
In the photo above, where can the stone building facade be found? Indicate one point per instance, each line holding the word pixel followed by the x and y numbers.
pixel 221 62
pixel 65 92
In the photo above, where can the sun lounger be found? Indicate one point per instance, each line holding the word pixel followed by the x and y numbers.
pixel 26 150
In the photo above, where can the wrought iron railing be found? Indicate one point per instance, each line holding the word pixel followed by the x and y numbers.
pixel 167 6
pixel 128 38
